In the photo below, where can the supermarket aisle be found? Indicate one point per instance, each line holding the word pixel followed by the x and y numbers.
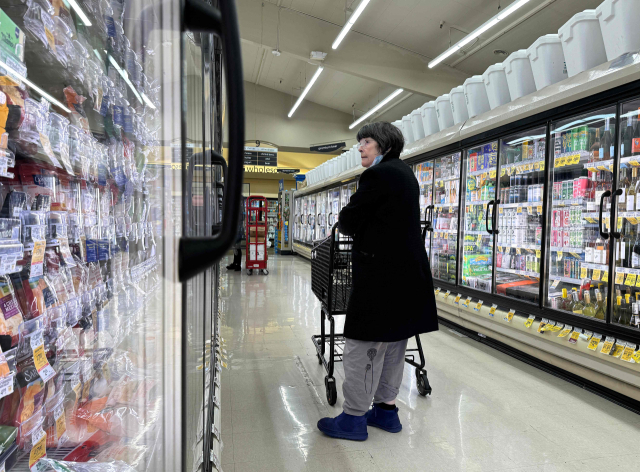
pixel 488 411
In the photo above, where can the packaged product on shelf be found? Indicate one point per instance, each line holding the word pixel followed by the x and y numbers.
pixel 65 466
pixel 12 315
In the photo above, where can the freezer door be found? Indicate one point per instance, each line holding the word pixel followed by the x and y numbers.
pixel 520 216
pixel 480 170
pixel 444 217
pixel 580 243
pixel 424 174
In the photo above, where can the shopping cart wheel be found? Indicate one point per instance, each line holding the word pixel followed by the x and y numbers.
pixel 424 388
pixel 330 386
pixel 249 271
pixel 265 272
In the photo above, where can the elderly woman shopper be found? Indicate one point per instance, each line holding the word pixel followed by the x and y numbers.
pixel 392 297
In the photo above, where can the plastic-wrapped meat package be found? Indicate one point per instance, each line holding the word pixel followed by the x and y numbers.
pixel 36 181
pixel 12 315
pixel 28 426
pixel 75 102
pixel 63 44
pixel 80 276
pixel 77 151
pixel 54 413
pixel 129 453
pixel 64 466
pixel 26 399
pixel 64 198
pixel 55 324
pixel 27 136
pixel 14 204
pixel 29 295
pixel 34 22
pixel 62 13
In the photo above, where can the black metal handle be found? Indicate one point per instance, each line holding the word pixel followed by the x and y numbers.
pixel 195 254
pixel 428 217
pixel 494 217
pixel 614 214
pixel 486 217
pixel 604 234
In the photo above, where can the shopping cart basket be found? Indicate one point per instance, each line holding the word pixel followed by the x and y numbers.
pixel 331 282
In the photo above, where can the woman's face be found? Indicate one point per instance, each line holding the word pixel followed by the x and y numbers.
pixel 369 150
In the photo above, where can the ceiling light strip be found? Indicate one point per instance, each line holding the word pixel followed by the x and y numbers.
pixel 305 91
pixel 376 108
pixel 350 22
pixel 478 31
pixel 83 16
pixel 42 93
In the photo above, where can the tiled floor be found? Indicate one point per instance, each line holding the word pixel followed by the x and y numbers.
pixel 487 412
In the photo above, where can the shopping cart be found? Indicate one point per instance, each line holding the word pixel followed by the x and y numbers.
pixel 331 283
pixel 256 257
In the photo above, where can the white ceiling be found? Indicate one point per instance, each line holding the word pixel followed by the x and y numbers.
pixel 412 26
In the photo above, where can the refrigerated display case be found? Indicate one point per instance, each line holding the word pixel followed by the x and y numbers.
pixel 286 222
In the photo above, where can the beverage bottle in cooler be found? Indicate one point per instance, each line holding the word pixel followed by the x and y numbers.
pixel 632 195
pixel 578 305
pixel 624 185
pixel 565 303
pixel 598 250
pixel 606 142
pixel 617 307
pixel 600 308
pixel 589 308
pixel 635 254
pixel 627 138
pixel 635 320
pixel 625 312
pixel 635 140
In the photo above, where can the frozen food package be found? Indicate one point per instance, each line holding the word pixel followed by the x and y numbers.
pixel 14 204
pixel 63 466
pixel 75 102
pixel 39 23
pixel 36 181
pixel 27 135
pixel 12 315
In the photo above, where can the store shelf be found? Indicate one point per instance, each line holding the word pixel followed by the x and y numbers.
pixel 625 270
pixel 570 202
pixel 448 231
pixel 478 232
pixel 478 203
pixel 491 173
pixel 447 179
pixel 519 272
pixel 589 265
pixel 445 205
pixel 522 167
pixel 567 249
pixel 521 204
pixel 599 165
pixel 568 280
pixel 531 247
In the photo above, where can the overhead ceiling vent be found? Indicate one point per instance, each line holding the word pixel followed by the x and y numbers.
pixel 318 55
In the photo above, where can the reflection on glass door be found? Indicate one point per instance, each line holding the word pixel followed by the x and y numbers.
pixel 519 237
pixel 424 174
pixel 347 190
pixel 446 189
pixel 626 300
pixel 321 227
pixel 480 194
pixel 311 218
pixel 334 208
pixel 579 216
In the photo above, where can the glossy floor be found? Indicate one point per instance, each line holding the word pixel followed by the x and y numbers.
pixel 487 412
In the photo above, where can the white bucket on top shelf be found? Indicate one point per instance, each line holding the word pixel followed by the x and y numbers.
pixel 547 60
pixel 429 118
pixel 495 81
pixel 458 105
pixel 443 111
pixel 345 161
pixel 475 95
pixel 408 130
pixel 582 42
pixel 398 124
pixel 350 158
pixel 519 74
pixel 619 26
pixel 416 124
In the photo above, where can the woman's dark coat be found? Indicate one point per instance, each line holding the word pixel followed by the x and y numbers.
pixel 392 296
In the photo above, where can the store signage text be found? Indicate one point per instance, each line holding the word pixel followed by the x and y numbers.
pixel 261 169
pixel 327 147
pixel 259 156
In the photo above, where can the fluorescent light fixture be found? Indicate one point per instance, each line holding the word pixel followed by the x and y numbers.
pixel 148 101
pixel 477 32
pixel 306 91
pixel 511 8
pixel 376 108
pixel 44 94
pixel 347 26
pixel 81 14
pixel 125 76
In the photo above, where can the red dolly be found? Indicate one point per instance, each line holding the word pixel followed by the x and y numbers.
pixel 256 226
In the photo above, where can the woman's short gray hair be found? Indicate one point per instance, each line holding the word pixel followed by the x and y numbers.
pixel 388 137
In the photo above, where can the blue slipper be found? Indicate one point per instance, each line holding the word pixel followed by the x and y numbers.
pixel 387 420
pixel 345 426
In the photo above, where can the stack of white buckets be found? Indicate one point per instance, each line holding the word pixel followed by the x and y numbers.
pixel 587 40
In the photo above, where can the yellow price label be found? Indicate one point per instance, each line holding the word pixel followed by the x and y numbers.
pixel 529 321
pixel 555 283
pixel 576 159
pixel 574 336
pixel 39 357
pixel 619 222
pixel 437 290
pixel 39 449
pixel 559 255
pixel 589 219
pixel 446 294
pixel 596 274
pixel 542 165
pixel 619 278
pixel 610 167
pixel 536 165
pixel 636 356
pixel 538 253
pixel 634 163
pixel 605 276
pixel 632 220
pixel 617 350
pixel 593 343
pixel 519 210
pixel 492 310
pixel 492 174
pixel 518 250
pixel 457 300
pixel 509 316
pixel 627 353
pixel 631 280
pixel 500 210
pixel 539 209
pixel 502 172
pixel 479 305
pixel 606 347
pixel 499 248
pixel 592 169
pixel 61 425
pixel 466 302
pixel 565 332
pixel 583 272
pixel 602 168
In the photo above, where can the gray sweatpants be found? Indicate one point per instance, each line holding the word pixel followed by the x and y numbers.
pixel 372 371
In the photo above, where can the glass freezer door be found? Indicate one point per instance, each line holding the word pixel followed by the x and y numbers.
pixel 446 198
pixel 519 238
pixel 579 217
pixel 424 174
pixel 479 198
pixel 334 208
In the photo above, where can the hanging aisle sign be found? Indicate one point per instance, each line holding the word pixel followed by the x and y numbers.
pixel 327 147
pixel 260 159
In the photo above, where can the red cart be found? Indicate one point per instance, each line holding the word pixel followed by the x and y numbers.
pixel 256 226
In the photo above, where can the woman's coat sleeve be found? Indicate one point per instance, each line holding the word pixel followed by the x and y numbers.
pixel 361 206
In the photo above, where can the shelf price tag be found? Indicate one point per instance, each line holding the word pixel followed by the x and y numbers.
pixel 573 339
pixel 596 274
pixel 557 327
pixel 589 219
pixel 608 344
pixel 605 276
pixel 541 326
pixel 583 272
pixel 478 305
pixel 631 280
pixel 619 278
pixel 6 385
pixel 40 358
pixel 635 357
pixel 539 209
pixel 466 302
pixel 519 210
pixel 565 331
pixel 632 220
pixel 509 316
pixel 492 174
pixel 446 294
pixel 529 321
pixel 627 353
pixel 618 348
pixel 501 210
pixel 61 424
pixel 492 310
pixel 38 451
pixel 437 291
pixel 518 250
pixel 457 300
pixel 559 256
pixel 594 341
pixel 555 283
